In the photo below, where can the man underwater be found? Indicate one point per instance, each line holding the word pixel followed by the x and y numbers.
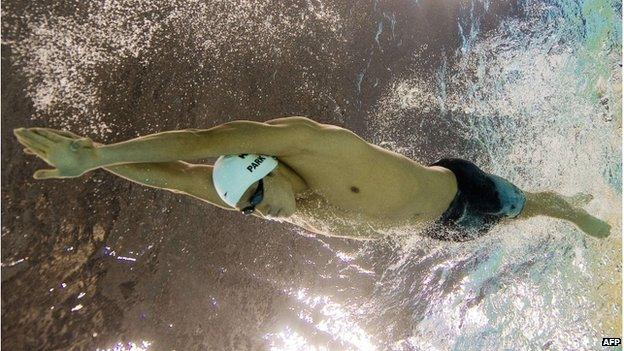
pixel 321 177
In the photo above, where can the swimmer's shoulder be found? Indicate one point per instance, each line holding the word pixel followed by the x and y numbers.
pixel 325 139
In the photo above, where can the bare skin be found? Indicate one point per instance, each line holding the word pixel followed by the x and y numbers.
pixel 328 181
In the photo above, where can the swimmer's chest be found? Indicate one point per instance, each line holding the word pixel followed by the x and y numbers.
pixel 373 187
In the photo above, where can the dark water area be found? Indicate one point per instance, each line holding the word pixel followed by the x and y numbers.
pixel 98 262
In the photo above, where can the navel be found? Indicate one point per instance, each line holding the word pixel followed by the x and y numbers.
pixel 355 189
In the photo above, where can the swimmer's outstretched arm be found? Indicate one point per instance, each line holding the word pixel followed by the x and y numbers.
pixel 176 176
pixel 74 158
pixel 230 138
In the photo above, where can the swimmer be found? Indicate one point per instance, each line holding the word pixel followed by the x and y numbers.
pixel 320 177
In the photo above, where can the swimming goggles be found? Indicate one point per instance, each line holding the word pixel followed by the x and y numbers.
pixel 256 198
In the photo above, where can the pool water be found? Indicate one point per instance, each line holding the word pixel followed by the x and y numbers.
pixel 528 90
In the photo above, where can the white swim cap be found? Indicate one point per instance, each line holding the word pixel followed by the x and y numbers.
pixel 233 174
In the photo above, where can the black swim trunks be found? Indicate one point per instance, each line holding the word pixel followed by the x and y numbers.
pixel 482 200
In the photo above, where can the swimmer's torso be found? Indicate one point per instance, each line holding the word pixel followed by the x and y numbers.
pixel 361 192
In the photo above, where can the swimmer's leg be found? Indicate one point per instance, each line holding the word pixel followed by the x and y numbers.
pixel 551 204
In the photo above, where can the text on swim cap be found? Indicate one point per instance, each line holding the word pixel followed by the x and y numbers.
pixel 255 163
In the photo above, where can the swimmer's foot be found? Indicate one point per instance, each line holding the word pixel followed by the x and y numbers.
pixel 591 225
pixel 551 204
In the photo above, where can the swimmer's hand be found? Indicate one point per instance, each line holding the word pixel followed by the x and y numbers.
pixel 71 154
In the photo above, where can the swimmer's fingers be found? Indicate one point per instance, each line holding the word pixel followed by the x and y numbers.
pixel 68 134
pixel 47 174
pixel 29 135
pixel 32 147
pixel 47 138
pixel 64 133
pixel 53 173
pixel 48 133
